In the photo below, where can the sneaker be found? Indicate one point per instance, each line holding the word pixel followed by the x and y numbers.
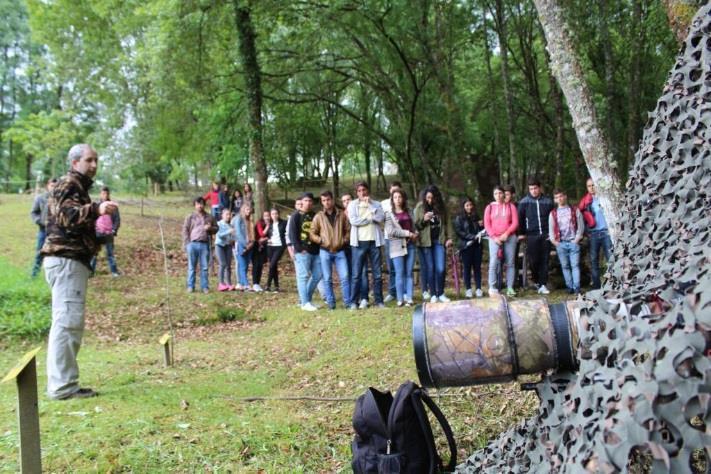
pixel 353 307
pixel 230 288
pixel 205 290
pixel 269 289
pixel 309 307
pixel 399 304
pixel 468 293
pixel 433 299
pixel 388 298
pixel 115 274
pixel 81 393
pixel 510 292
pixel 191 290
pixel 493 291
pixel 380 305
pixel 444 299
pixel 542 290
pixel 363 304
pixel 409 304
pixel 479 293
pixel 276 290
pixel 257 288
pixel 222 287
pixel 425 295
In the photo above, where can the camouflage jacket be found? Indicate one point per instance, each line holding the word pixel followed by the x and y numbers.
pixel 71 217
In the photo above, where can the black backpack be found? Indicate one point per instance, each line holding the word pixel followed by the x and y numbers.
pixel 395 436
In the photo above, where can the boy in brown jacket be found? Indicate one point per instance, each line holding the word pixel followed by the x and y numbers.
pixel 331 231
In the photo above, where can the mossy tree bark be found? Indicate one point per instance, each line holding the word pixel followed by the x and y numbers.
pixel 253 81
pixel 593 143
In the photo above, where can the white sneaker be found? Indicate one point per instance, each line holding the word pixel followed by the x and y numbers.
pixel 363 304
pixel 493 291
pixel 479 293
pixel 257 288
pixel 425 295
pixel 468 293
pixel 388 298
pixel 309 307
pixel 433 299
pixel 444 299
pixel 542 290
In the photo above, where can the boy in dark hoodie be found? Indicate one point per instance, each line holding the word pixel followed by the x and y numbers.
pixel 533 211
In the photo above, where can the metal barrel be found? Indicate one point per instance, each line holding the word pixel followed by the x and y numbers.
pixel 491 340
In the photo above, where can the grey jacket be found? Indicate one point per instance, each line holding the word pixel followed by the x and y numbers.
pixel 397 236
pixel 39 210
pixel 356 221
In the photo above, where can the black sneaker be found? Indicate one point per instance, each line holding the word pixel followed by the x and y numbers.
pixel 81 393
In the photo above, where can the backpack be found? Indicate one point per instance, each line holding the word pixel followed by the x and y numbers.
pixel 393 435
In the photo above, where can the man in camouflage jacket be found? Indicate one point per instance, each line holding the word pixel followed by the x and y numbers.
pixel 68 249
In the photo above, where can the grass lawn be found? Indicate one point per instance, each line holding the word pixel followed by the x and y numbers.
pixel 192 416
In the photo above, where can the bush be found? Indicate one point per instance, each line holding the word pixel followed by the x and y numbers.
pixel 25 304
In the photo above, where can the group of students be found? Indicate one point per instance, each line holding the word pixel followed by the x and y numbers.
pixel 349 235
pixel 543 222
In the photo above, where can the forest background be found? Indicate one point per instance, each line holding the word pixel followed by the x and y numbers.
pixel 458 93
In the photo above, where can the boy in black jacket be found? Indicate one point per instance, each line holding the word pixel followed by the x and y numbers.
pixel 533 213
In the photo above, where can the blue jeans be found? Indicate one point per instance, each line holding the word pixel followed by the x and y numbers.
pixel 599 239
pixel 327 261
pixel 432 266
pixel 364 286
pixel 509 260
pixel 197 254
pixel 403 274
pixel 41 236
pixel 365 251
pixel 108 243
pixel 392 271
pixel 308 274
pixel 243 263
pixel 569 256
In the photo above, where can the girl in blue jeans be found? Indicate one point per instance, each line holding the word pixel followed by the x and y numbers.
pixel 432 222
pixel 244 242
pixel 399 225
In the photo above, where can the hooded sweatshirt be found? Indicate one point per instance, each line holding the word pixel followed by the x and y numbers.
pixel 500 218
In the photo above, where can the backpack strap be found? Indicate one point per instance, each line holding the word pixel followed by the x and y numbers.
pixel 422 417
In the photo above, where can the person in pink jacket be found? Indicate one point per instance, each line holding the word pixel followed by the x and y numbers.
pixel 501 222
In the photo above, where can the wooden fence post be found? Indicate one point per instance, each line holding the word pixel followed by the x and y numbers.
pixel 165 341
pixel 25 375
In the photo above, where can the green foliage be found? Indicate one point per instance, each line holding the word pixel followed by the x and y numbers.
pixel 348 87
pixel 25 304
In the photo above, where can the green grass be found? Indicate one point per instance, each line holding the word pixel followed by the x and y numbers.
pixel 191 417
pixel 24 304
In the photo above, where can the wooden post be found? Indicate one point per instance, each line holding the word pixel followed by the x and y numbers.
pixel 165 341
pixel 25 375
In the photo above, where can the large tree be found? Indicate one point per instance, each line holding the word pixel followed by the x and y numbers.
pixel 593 142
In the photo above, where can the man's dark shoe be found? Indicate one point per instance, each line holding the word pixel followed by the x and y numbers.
pixel 81 393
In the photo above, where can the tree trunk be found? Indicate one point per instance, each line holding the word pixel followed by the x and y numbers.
pixel 367 151
pixel 28 171
pixel 591 138
pixel 680 13
pixel 492 106
pixel 253 82
pixel 610 88
pixel 502 32
pixel 634 127
pixel 380 182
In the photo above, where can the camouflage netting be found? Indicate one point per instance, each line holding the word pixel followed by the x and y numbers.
pixel 643 391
